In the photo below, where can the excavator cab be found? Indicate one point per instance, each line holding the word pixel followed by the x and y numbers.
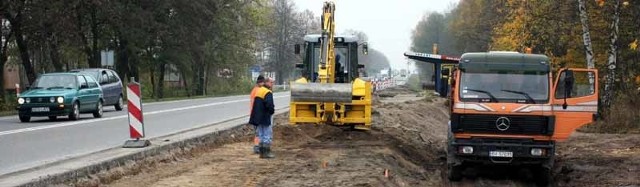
pixel 346 58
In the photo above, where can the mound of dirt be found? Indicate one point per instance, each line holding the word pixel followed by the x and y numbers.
pixel 404 148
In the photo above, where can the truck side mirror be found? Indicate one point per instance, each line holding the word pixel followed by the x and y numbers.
pixel 365 48
pixel 568 81
pixel 299 65
pixel 297 49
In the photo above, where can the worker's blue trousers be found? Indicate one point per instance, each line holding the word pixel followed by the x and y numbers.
pixel 265 132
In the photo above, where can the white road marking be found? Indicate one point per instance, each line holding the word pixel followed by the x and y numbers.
pixel 119 117
pixel 162 102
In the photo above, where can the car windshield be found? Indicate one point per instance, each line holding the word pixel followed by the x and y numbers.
pixel 525 87
pixel 55 82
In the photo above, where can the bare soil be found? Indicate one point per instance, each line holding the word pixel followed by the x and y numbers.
pixel 404 148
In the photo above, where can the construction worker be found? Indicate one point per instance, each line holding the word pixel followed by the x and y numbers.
pixel 262 116
pixel 254 91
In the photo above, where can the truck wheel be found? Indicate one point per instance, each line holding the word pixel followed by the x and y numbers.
pixel 544 176
pixel 454 173
pixel 24 119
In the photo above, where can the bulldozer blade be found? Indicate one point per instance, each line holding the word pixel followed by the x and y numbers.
pixel 321 92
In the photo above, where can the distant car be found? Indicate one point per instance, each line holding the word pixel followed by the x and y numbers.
pixel 111 85
pixel 61 94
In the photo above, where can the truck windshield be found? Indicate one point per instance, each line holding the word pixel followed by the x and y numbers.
pixel 519 87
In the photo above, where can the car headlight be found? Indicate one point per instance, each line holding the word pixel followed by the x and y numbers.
pixel 20 100
pixel 52 99
pixel 60 100
pixel 28 100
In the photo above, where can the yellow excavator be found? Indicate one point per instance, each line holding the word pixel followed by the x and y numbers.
pixel 330 90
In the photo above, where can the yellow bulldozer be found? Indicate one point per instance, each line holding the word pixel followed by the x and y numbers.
pixel 330 90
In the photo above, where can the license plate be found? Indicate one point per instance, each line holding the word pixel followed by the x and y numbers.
pixel 40 109
pixel 507 154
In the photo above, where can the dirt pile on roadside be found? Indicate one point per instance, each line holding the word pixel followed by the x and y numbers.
pixel 394 153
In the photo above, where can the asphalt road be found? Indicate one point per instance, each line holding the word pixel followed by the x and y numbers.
pixel 28 145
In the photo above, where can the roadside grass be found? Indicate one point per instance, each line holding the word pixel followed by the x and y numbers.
pixel 8 105
pixel 622 118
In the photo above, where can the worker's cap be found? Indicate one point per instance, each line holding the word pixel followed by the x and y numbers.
pixel 260 79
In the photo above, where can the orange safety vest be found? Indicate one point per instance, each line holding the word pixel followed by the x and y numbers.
pixel 254 91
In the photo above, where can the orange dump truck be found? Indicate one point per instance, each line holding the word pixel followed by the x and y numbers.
pixel 507 109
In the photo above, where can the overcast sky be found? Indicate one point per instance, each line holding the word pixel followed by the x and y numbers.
pixel 388 24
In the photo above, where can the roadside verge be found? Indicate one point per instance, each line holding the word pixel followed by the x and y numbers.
pixel 77 168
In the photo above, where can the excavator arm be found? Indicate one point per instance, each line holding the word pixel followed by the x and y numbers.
pixel 327 61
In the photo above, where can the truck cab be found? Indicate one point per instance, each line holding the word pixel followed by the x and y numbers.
pixel 507 109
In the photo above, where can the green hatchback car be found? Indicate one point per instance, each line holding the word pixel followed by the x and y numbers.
pixel 61 94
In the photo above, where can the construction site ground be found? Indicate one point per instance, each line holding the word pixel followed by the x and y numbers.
pixel 404 148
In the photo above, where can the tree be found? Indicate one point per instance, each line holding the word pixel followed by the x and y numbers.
pixel 14 11
pixel 586 37
pixel 473 23
pixel 433 30
pixel 5 37
pixel 282 39
pixel 613 55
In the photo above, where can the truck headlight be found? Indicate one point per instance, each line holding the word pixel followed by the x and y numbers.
pixel 52 99
pixel 537 151
pixel 60 100
pixel 465 149
pixel 27 100
pixel 21 100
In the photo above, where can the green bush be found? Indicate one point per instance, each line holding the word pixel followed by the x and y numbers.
pixel 414 82
pixel 8 104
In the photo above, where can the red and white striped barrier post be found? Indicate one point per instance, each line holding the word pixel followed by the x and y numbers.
pixel 136 120
pixel 17 90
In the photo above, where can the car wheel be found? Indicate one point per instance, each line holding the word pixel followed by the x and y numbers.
pixel 120 105
pixel 98 112
pixel 24 118
pixel 75 111
pixel 53 118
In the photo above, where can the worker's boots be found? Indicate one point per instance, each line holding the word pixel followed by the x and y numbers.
pixel 256 145
pixel 265 151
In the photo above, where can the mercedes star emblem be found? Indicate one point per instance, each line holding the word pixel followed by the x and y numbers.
pixel 503 123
